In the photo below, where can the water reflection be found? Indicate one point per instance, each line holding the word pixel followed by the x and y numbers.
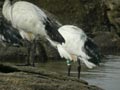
pixel 107 76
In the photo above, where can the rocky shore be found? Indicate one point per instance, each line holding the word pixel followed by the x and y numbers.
pixel 100 19
pixel 33 78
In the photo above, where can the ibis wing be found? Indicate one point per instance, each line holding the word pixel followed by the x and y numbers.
pixel 93 51
pixel 52 31
pixel 9 33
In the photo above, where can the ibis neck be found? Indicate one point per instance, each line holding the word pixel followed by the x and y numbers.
pixel 6 11
pixel 7 2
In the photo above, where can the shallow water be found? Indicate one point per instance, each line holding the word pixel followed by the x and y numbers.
pixel 107 76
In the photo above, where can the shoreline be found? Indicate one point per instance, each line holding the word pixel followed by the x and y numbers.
pixel 32 78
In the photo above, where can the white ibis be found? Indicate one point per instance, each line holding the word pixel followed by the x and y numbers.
pixel 30 21
pixel 77 47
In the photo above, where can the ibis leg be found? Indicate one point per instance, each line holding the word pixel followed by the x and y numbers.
pixel 69 69
pixel 42 55
pixel 28 46
pixel 69 66
pixel 33 52
pixel 28 55
pixel 79 68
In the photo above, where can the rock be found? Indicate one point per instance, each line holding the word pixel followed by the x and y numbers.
pixel 113 13
pixel 32 78
pixel 83 13
pixel 108 42
pixel 11 53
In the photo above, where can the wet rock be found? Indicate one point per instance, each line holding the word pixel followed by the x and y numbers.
pixel 31 78
pixel 11 53
pixel 108 42
pixel 83 13
pixel 113 14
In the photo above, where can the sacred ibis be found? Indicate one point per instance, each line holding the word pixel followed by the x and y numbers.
pixel 31 22
pixel 77 47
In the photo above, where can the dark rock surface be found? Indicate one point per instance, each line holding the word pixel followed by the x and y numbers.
pixel 31 78
pixel 108 42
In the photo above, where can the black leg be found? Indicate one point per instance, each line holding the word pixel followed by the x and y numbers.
pixel 79 68
pixel 69 66
pixel 69 69
pixel 33 52
pixel 28 55
pixel 40 50
pixel 31 48
pixel 28 46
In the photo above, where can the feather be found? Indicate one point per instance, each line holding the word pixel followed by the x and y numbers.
pixel 63 53
pixel 52 30
pixel 92 50
pixel 87 63
pixel 78 44
pixel 10 34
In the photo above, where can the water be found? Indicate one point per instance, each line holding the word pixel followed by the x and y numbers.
pixel 107 76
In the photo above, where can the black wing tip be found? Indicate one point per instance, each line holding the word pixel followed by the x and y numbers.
pixel 95 60
pixel 11 35
pixel 93 51
pixel 51 28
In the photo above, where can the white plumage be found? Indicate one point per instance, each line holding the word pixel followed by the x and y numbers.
pixel 74 46
pixel 77 47
pixel 75 39
pixel 30 21
pixel 26 17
